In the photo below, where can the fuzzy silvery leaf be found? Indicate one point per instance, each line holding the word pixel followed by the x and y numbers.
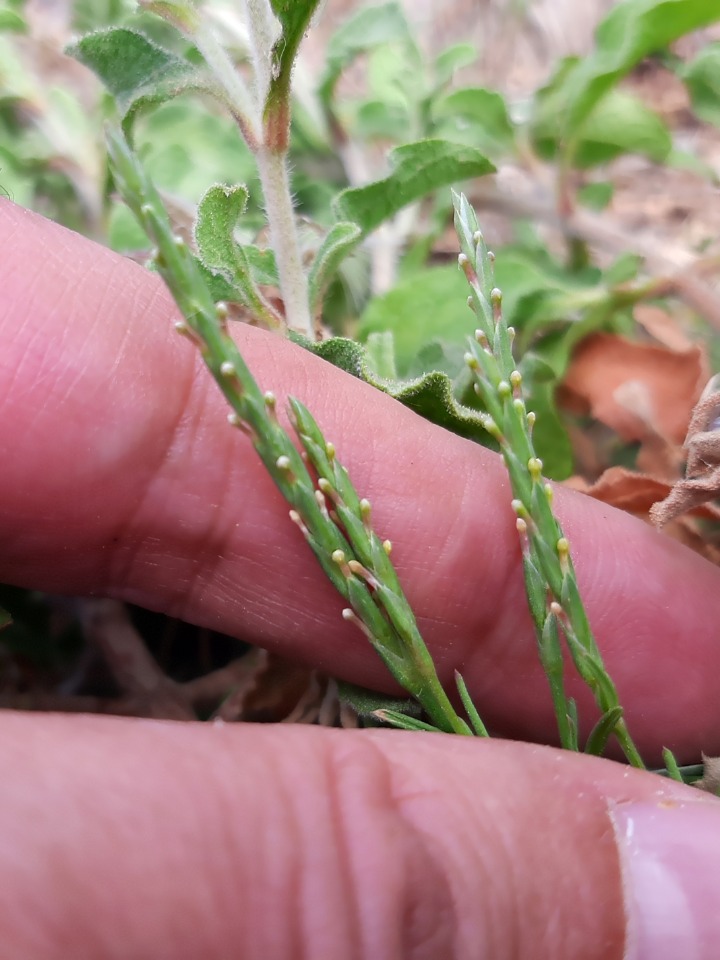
pixel 240 265
pixel 339 241
pixel 416 170
pixel 430 395
pixel 138 72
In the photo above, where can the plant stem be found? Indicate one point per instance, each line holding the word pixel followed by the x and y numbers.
pixel 271 157
pixel 272 166
pixel 244 106
pixel 332 517
pixel 550 581
pixel 265 132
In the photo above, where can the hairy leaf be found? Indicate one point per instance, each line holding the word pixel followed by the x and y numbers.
pixel 417 170
pixel 365 702
pixel 217 217
pixel 431 395
pixel 337 244
pixel 137 72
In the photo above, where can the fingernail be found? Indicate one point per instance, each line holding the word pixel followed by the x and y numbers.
pixel 670 857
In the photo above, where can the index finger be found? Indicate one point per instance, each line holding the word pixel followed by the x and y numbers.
pixel 120 476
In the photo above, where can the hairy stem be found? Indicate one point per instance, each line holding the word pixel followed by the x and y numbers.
pixel 244 106
pixel 275 181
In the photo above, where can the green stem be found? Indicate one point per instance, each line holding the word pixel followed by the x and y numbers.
pixel 551 585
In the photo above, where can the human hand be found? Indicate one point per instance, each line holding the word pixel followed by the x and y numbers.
pixel 145 839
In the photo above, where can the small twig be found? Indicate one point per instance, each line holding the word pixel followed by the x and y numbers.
pixel 108 628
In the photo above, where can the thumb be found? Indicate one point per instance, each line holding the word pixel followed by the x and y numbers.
pixel 138 839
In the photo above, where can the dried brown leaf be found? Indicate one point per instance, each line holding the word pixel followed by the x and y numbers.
pixel 629 385
pixel 702 443
pixel 663 327
pixel 638 493
pixel 710 780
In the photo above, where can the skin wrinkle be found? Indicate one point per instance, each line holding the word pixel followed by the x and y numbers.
pixel 289 856
pixel 511 829
pixel 184 848
pixel 473 907
pixel 401 904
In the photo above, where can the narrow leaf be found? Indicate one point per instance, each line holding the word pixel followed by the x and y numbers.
pixel 417 170
pixel 403 722
pixel 602 731
pixel 671 765
pixel 476 723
